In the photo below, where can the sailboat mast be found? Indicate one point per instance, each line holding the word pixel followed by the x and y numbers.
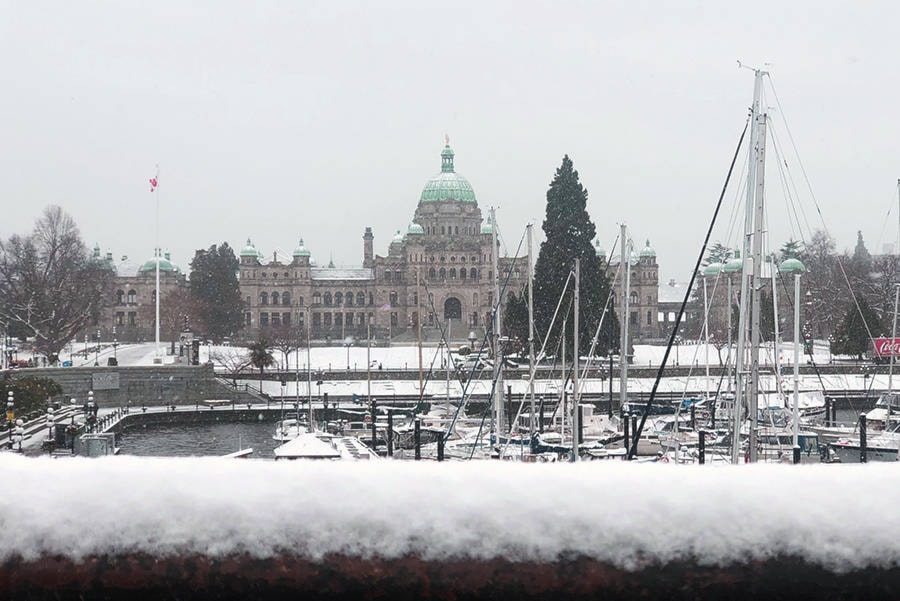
pixel 498 352
pixel 624 276
pixel 741 372
pixel 575 423
pixel 757 284
pixel 531 429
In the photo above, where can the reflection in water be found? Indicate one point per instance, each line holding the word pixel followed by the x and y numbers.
pixel 199 439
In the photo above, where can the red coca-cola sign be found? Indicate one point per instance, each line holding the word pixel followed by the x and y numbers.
pixel 887 347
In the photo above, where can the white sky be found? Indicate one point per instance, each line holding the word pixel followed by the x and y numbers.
pixel 475 509
pixel 280 120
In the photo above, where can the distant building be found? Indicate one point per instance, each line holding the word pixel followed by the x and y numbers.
pixel 447 245
pixel 129 312
pixel 643 300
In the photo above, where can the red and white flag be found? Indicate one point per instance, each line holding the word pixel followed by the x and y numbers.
pixel 153 183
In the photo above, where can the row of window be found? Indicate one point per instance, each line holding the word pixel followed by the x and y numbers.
pixel 452 230
pixel 131 298
pixel 445 274
pixel 120 318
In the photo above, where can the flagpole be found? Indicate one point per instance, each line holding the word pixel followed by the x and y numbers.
pixel 157 254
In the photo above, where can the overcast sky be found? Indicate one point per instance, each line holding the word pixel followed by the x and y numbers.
pixel 279 120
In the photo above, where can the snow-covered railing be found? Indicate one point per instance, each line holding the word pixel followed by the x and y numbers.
pixel 477 529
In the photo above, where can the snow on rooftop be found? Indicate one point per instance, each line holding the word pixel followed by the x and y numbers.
pixel 342 273
pixel 839 517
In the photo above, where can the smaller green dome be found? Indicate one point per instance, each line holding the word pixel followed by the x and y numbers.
pixel 249 250
pixel 398 237
pixel 734 264
pixel 792 265
pixel 713 270
pixel 487 228
pixel 415 228
pixel 647 251
pixel 598 250
pixel 301 250
pixel 165 265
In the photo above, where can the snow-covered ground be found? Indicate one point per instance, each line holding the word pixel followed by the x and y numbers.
pixel 610 511
pixel 401 357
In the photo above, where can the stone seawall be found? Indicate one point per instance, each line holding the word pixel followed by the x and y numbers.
pixel 116 386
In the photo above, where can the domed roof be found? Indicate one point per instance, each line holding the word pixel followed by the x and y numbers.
pixel 792 265
pixel 447 185
pixel 713 270
pixel 734 264
pixel 301 250
pixel 648 251
pixel 415 228
pixel 249 250
pixel 398 237
pixel 165 265
pixel 598 250
pixel 487 228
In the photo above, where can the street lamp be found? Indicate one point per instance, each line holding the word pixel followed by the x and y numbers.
pixel 796 267
pixel 348 342
pixel 20 432
pixel 115 345
pixel 51 421
pixel 472 338
pixel 97 350
pixel 10 415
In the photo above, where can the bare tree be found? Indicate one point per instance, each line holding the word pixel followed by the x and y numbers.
pixel 233 359
pixel 178 308
pixel 285 338
pixel 50 287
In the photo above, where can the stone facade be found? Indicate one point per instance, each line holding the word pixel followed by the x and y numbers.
pixel 643 303
pixel 440 269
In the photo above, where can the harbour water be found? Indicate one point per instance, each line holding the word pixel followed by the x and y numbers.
pixel 187 440
pixel 222 438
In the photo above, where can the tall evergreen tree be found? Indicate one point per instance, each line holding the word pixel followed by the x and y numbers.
pixel 790 250
pixel 214 284
pixel 852 335
pixel 568 234
pixel 717 253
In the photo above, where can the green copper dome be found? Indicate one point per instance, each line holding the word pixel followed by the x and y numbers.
pixel 792 265
pixel 165 265
pixel 713 270
pixel 398 237
pixel 598 250
pixel 447 185
pixel 301 250
pixel 487 228
pixel 249 250
pixel 415 228
pixel 734 264
pixel 648 251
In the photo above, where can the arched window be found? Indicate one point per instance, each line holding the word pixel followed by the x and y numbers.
pixel 634 297
pixel 275 298
pixel 649 318
pixel 387 276
pixel 263 298
pixel 474 299
pixel 120 297
pixel 263 319
pixel 285 298
pixel 456 229
pixel 473 274
pixel 327 299
pixel 371 299
pixel 348 299
pixel 339 299
pixel 393 298
pixel 443 274
pixel 300 301
pixel 360 298
pixel 452 273
pixel 317 298
pixel 431 274
pixel 462 273
pixel 132 297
